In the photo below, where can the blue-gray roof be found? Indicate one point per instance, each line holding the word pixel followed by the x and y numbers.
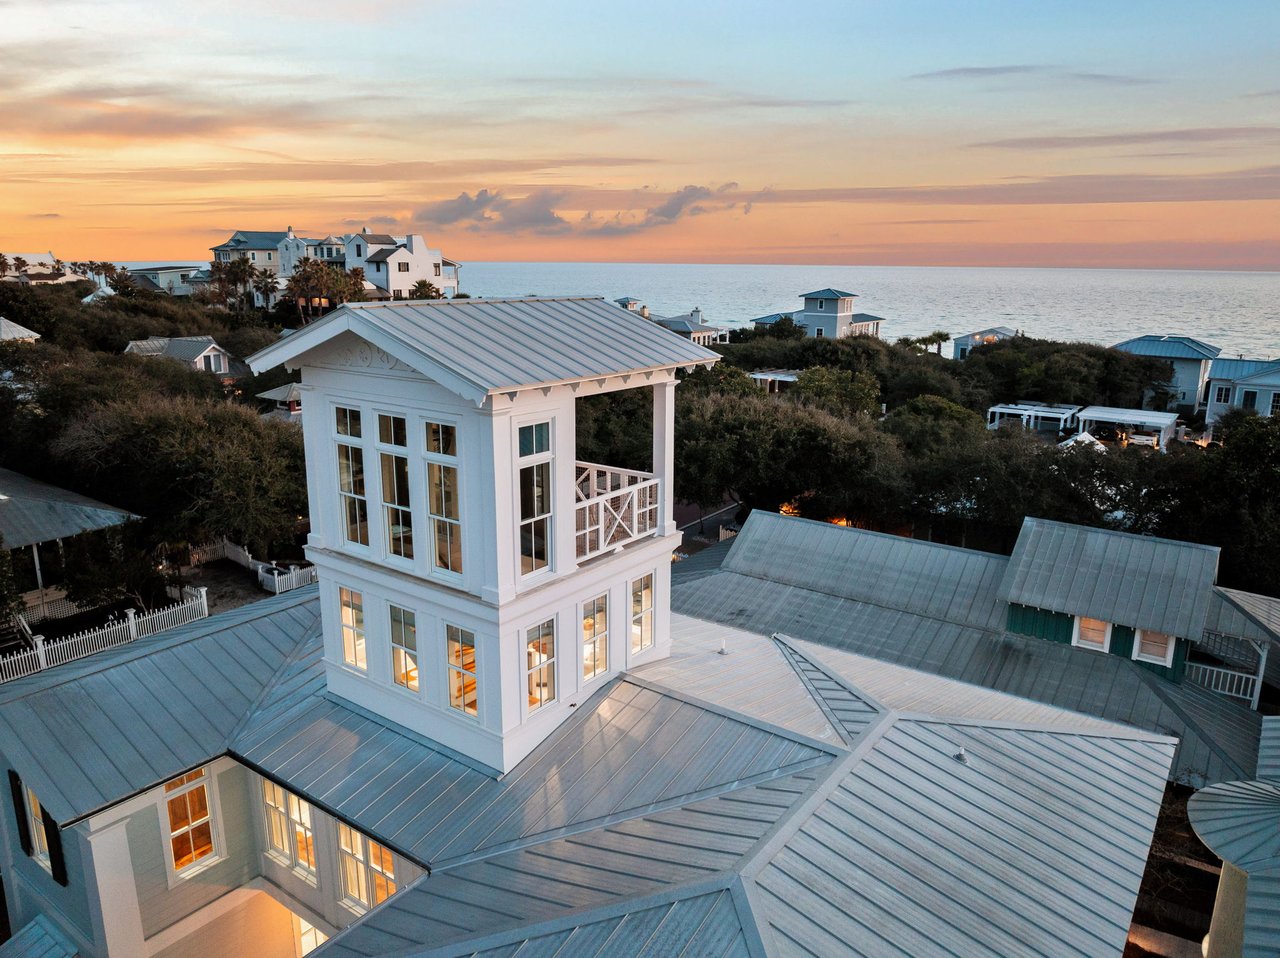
pixel 771 318
pixel 479 347
pixel 1169 347
pixel 1218 736
pixel 253 239
pixel 32 511
pixel 1233 369
pixel 1139 581
pixel 39 938
pixel 828 293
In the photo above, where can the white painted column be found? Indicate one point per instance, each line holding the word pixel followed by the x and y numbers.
pixel 316 429
pixel 664 451
pixel 113 892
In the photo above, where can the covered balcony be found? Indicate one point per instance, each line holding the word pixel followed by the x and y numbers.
pixel 613 507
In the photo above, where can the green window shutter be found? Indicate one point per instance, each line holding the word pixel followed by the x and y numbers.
pixel 53 838
pixel 1040 623
pixel 20 811
pixel 1122 641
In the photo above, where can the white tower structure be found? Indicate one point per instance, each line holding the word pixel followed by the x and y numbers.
pixel 477 581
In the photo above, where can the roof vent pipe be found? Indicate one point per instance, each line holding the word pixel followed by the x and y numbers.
pixel 961 756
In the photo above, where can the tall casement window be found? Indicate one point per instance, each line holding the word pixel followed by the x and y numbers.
pixel 535 497
pixel 38 833
pixel 351 611
pixel 289 831
pixel 461 654
pixel 540 652
pixel 190 821
pixel 355 507
pixel 404 648
pixel 442 496
pixel 1155 647
pixel 368 870
pixel 394 459
pixel 642 613
pixel 595 636
pixel 1092 634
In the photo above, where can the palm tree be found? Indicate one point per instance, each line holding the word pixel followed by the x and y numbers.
pixel 264 284
pixel 219 280
pixel 355 276
pixel 4 266
pixel 19 265
pixel 240 274
pixel 424 289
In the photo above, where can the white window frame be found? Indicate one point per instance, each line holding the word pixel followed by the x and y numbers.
pixel 1222 395
pixel 356 443
pixel 362 862
pixel 289 819
pixel 389 450
pixel 451 669
pixel 1274 409
pixel 444 461
pixel 397 645
pixel 1167 661
pixel 1075 635
pixel 634 616
pixel 206 781
pixel 359 634
pixel 536 458
pixel 35 824
pixel 544 670
pixel 598 641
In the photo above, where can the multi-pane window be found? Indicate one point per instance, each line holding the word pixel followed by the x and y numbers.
pixel 642 613
pixel 396 510
pixel 442 496
pixel 354 649
pixel 402 267
pixel 309 936
pixel 595 636
pixel 289 830
pixel 1092 633
pixel 1222 395
pixel 1152 646
pixel 368 870
pixel 39 837
pixel 404 648
pixel 1275 404
pixel 535 497
pixel 351 492
pixel 540 651
pixel 190 821
pixel 461 652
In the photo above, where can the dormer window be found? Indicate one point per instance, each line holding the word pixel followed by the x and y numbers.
pixel 1092 634
pixel 535 497
pixel 1154 647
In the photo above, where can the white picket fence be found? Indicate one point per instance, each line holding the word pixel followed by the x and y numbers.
pixel 270 576
pixel 194 605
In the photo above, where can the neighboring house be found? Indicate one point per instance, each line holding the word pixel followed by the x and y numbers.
pixel 11 332
pixel 1102 623
pixel 260 247
pixel 689 325
pixel 1130 427
pixel 40 264
pixel 288 402
pixel 1243 384
pixel 828 313
pixel 201 353
pixel 961 346
pixel 174 280
pixel 484 732
pixel 1190 359
pixel 1238 822
pixel 394 264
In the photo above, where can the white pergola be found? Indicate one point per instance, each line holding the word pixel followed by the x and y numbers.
pixel 1057 417
pixel 1141 426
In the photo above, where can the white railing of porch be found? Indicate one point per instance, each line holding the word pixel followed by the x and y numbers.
pixel 614 507
pixel 273 580
pixel 1229 682
pixel 194 605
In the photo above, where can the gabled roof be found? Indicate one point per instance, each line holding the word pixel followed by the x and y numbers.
pixel 289 392
pixel 9 330
pixel 828 293
pixel 145 283
pixel 382 255
pixel 1268 374
pixel 186 348
pixel 1169 347
pixel 253 239
pixel 378 239
pixel 773 318
pixel 999 330
pixel 482 347
pixel 32 511
pixel 1233 369
pixel 1133 580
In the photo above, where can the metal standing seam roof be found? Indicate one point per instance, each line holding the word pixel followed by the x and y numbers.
pixel 1133 580
pixel 481 347
pixel 32 511
pixel 254 239
pixel 1236 369
pixel 828 293
pixel 289 392
pixel 39 938
pixel 1169 347
pixel 1002 330
pixel 186 348
pixel 9 330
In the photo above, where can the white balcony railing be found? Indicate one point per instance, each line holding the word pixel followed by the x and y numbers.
pixel 614 507
pixel 1229 682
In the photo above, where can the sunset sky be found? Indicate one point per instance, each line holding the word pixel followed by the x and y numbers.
pixel 852 132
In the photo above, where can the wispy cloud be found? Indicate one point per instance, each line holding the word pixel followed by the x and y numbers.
pixel 981 73
pixel 1231 134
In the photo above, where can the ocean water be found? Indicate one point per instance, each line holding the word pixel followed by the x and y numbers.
pixel 1237 311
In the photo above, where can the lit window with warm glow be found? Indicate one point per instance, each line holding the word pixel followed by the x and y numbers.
pixel 442 496
pixel 1154 647
pixel 595 636
pixel 540 651
pixel 461 652
pixel 397 514
pixel 190 821
pixel 39 837
pixel 289 831
pixel 351 491
pixel 1092 634
pixel 642 613
pixel 404 648
pixel 351 605
pixel 368 870
pixel 309 937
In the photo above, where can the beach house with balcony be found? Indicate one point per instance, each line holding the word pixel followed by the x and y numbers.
pixel 260 247
pixel 1190 359
pixel 828 313
pixel 1252 384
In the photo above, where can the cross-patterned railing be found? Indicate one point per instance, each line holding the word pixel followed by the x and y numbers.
pixel 614 507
